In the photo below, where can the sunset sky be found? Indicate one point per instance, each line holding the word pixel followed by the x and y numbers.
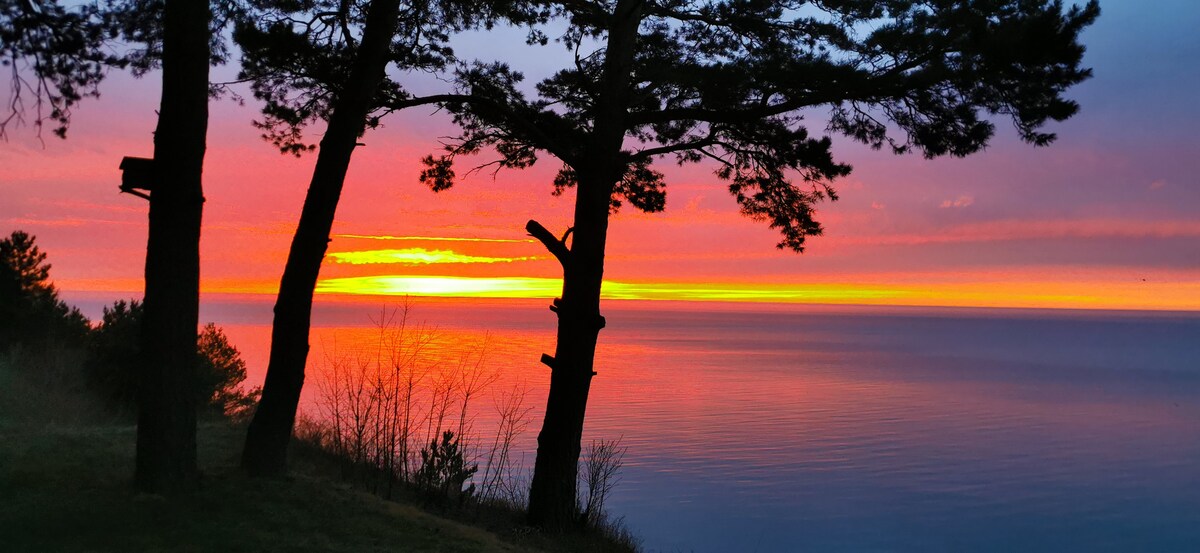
pixel 1107 217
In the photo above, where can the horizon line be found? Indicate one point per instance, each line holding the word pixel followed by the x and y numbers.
pixel 1090 296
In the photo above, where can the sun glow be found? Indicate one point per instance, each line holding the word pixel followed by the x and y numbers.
pixel 444 286
pixel 1072 295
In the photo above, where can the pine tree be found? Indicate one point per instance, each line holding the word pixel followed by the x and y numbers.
pixel 327 61
pixel 31 312
pixel 729 83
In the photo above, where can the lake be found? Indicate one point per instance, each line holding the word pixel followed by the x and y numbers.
pixel 838 428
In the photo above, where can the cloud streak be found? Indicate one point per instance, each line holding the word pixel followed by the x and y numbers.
pixel 429 238
pixel 1015 229
pixel 416 256
pixel 962 201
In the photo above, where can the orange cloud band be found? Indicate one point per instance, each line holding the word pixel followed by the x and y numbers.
pixel 416 256
pixel 429 238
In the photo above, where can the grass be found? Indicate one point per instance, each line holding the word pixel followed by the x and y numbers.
pixel 502 519
pixel 65 486
pixel 67 489
pixel 66 468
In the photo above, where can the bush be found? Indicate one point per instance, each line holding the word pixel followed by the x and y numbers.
pixel 444 470
pixel 113 357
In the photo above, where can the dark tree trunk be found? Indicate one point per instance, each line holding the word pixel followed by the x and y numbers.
pixel 166 436
pixel 552 493
pixel 270 431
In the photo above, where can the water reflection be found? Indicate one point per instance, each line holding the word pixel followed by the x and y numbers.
pixel 857 429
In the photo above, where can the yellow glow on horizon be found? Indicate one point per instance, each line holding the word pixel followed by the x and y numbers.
pixel 416 256
pixel 513 287
pixel 1063 295
pixel 530 287
pixel 815 293
pixel 1170 295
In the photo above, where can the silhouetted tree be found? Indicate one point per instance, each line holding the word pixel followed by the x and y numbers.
pixel 63 51
pixel 30 311
pixel 327 60
pixel 271 428
pixel 727 82
pixel 166 444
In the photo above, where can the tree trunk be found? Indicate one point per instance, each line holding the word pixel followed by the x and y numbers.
pixel 270 430
pixel 166 436
pixel 552 493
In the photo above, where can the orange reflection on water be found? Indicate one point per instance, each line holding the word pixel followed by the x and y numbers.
pixel 436 355
pixel 825 395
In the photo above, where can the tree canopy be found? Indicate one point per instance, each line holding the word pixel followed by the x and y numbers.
pixel 298 57
pixel 737 82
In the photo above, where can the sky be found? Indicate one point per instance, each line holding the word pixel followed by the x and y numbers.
pixel 1107 217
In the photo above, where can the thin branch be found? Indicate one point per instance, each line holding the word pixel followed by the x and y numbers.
pixel 538 136
pixel 141 195
pixel 677 147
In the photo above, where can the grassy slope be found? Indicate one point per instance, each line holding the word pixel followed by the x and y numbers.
pixel 64 486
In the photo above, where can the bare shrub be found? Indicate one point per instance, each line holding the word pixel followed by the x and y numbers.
pixel 501 480
pixel 383 410
pixel 471 378
pixel 600 474
pixel 401 414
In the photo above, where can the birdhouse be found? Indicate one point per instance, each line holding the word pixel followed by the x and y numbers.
pixel 137 174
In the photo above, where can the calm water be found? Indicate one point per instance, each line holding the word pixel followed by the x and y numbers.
pixel 862 429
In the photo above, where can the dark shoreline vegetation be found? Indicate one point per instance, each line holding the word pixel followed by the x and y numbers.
pixel 66 487
pixel 362 478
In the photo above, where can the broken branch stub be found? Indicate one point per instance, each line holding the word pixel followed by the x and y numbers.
pixel 552 244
